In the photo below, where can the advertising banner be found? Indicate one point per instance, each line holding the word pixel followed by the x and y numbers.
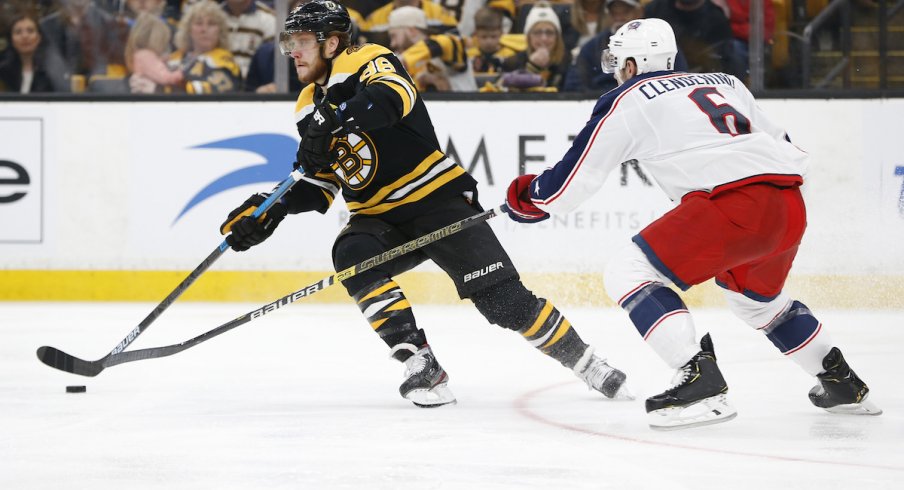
pixel 21 180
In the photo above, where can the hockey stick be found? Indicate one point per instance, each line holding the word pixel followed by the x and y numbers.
pixel 168 350
pixel 58 359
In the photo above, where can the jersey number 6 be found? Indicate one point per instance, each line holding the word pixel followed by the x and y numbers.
pixel 725 118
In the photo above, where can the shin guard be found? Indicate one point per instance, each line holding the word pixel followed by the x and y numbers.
pixel 662 319
pixel 387 310
pixel 552 334
pixel 798 335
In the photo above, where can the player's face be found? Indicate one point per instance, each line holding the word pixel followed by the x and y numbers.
pixel 626 73
pixel 205 34
pixel 305 54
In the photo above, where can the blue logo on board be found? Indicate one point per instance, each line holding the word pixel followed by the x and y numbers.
pixel 274 149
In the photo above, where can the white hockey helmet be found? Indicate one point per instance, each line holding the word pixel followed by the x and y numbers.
pixel 650 42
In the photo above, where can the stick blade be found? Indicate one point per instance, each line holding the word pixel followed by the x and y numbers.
pixel 58 359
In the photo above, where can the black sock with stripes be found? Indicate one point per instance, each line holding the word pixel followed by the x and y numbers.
pixel 387 310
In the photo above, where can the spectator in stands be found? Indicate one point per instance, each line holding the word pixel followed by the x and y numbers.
pixel 154 7
pixel 84 36
pixel 438 18
pixel 148 48
pixel 207 65
pixel 489 51
pixel 25 66
pixel 702 32
pixel 587 19
pixel 465 10
pixel 251 23
pixel 740 28
pixel 261 72
pixel 586 74
pixel 545 62
pixel 436 63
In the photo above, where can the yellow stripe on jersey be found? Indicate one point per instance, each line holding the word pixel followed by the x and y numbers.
pixel 402 87
pixel 541 319
pixel 419 172
pixel 305 100
pixel 443 179
pixel 352 59
pixel 563 329
pixel 452 47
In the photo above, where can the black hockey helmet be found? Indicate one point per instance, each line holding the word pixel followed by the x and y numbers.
pixel 321 17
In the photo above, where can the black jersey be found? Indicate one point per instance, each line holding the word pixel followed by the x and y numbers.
pixel 391 165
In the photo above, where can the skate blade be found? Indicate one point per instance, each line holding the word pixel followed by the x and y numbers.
pixel 865 407
pixel 623 394
pixel 437 396
pixel 712 410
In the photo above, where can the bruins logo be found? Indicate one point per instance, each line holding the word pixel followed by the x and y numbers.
pixel 357 161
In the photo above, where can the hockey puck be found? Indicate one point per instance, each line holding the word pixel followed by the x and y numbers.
pixel 76 389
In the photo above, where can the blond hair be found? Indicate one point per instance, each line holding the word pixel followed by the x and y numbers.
pixel 204 8
pixel 557 54
pixel 149 32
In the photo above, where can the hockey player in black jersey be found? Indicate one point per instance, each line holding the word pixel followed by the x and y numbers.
pixel 365 132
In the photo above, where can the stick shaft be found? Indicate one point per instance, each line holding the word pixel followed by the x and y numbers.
pixel 58 359
pixel 417 243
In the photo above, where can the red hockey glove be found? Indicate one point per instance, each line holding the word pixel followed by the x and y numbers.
pixel 518 204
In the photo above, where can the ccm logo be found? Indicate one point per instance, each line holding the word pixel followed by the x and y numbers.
pixel 482 272
pixel 20 177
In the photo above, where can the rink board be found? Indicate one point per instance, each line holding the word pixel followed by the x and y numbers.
pixel 119 200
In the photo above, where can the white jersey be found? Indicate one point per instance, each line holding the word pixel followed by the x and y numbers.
pixel 690 131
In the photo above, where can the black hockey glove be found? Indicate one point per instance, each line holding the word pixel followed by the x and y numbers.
pixel 315 153
pixel 248 232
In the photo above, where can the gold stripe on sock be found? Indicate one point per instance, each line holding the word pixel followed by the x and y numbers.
pixel 398 305
pixel 541 318
pixel 380 290
pixel 563 329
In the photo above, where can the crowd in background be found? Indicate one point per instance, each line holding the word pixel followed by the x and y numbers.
pixel 205 47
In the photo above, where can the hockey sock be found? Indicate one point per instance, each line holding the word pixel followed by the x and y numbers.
pixel 664 322
pixel 389 313
pixel 551 333
pixel 798 335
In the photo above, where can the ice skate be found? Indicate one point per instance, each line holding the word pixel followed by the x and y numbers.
pixel 840 390
pixel 426 382
pixel 697 396
pixel 602 377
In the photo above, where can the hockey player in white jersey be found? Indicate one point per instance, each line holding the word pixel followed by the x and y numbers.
pixel 740 219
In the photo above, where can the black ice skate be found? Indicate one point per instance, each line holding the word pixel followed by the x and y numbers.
pixel 426 382
pixel 602 377
pixel 697 396
pixel 840 390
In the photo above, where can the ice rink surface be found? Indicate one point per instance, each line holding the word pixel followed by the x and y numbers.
pixel 306 397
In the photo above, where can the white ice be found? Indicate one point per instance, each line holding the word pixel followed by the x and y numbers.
pixel 306 397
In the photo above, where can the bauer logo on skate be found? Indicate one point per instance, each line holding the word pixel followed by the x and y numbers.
pixel 482 272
